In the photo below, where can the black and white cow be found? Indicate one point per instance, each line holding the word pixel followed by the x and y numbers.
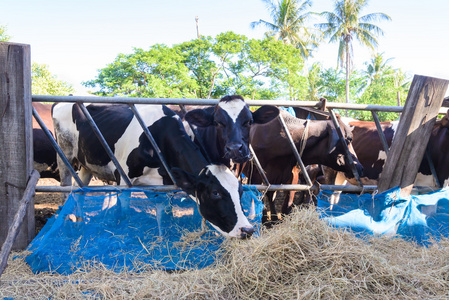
pixel 224 128
pixel 213 187
pixel 44 160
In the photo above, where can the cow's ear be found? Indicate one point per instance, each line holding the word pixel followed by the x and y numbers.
pixel 184 180
pixel 265 114
pixel 200 117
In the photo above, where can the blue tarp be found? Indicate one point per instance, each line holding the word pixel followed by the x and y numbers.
pixel 418 218
pixel 129 228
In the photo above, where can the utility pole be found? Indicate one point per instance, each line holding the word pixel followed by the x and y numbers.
pixel 197 28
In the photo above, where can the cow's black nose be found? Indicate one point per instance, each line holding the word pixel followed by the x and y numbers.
pixel 247 232
pixel 234 147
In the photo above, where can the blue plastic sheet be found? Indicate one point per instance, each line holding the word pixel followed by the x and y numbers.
pixel 418 218
pixel 125 229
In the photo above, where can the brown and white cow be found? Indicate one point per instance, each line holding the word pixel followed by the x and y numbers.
pixel 274 152
pixel 371 154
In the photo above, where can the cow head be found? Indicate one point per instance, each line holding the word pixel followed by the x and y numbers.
pixel 217 192
pixel 336 158
pixel 232 120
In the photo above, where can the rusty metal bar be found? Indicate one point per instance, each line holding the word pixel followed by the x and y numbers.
pixel 56 147
pixel 295 151
pixel 152 141
pixel 104 143
pixel 342 139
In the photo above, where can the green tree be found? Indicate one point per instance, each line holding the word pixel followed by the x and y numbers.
pixel 378 67
pixel 158 72
pixel 313 79
pixel 3 36
pixel 207 68
pixel 345 24
pixel 44 83
pixel 386 86
pixel 288 24
pixel 332 84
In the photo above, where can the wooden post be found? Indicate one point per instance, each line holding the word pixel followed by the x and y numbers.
pixel 16 140
pixel 421 108
pixel 18 220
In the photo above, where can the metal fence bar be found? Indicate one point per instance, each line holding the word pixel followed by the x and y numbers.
pixel 104 143
pixel 152 141
pixel 195 133
pixel 165 188
pixel 258 166
pixel 295 151
pixel 343 141
pixel 177 101
pixel 56 147
pixel 166 101
pixel 380 132
pixel 432 166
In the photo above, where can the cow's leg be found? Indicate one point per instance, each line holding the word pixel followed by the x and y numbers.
pixel 286 208
pixel 269 216
pixel 85 176
pixel 287 205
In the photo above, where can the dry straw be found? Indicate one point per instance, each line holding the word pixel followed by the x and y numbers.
pixel 302 258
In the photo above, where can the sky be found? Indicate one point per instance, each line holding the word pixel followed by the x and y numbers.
pixel 76 38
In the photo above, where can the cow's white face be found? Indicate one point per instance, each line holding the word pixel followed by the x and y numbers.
pixel 231 119
pixel 218 193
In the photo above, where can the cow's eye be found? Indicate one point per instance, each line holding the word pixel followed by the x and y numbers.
pixel 216 194
pixel 248 123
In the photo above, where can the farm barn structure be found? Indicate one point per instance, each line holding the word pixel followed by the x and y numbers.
pixel 17 179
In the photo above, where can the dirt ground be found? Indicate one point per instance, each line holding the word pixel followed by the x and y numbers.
pixel 46 204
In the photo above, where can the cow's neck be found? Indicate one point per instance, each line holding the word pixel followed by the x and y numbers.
pixel 213 145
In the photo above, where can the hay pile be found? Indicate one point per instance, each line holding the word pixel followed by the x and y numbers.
pixel 300 258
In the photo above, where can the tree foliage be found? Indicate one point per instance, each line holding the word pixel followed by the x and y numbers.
pixel 44 83
pixel 3 36
pixel 207 68
pixel 345 24
pixel 288 24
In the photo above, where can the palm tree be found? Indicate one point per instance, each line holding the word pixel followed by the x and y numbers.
pixel 378 67
pixel 288 24
pixel 344 24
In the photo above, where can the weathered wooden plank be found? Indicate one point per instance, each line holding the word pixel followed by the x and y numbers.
pixel 418 117
pixel 16 140
pixel 18 220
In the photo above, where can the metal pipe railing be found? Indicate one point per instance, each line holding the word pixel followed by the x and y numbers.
pixel 380 132
pixel 177 101
pixel 345 146
pixel 260 187
pixel 295 151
